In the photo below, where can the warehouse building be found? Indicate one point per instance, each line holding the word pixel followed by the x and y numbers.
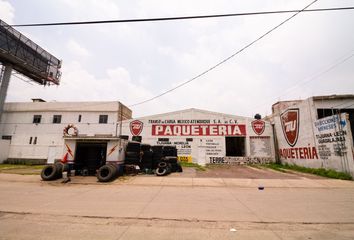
pixel 206 137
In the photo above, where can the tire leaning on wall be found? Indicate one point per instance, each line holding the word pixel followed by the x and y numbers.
pixel 107 173
pixel 49 172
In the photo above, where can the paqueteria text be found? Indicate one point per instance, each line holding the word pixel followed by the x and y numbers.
pixel 299 153
pixel 199 130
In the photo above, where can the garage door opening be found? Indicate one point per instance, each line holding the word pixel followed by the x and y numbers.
pixel 89 157
pixel 235 146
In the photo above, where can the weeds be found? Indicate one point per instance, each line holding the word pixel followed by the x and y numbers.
pixel 194 165
pixel 329 173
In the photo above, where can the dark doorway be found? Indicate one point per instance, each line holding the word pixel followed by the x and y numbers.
pixel 89 157
pixel 235 146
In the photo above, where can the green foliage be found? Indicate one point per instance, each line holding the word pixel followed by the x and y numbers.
pixel 25 161
pixel 19 166
pixel 193 165
pixel 317 171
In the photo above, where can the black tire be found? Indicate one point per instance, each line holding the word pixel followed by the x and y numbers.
pixel 161 171
pixel 106 173
pixel 147 157
pixel 157 149
pixel 162 165
pixel 133 147
pixel 169 168
pixel 179 168
pixel 170 151
pixel 115 169
pixel 132 154
pixel 145 147
pixel 131 162
pixel 49 173
pixel 170 159
pixel 61 167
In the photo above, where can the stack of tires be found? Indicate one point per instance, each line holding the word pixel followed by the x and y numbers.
pixel 53 171
pixel 157 155
pixel 173 163
pixel 132 155
pixel 108 172
pixel 168 162
pixel 146 157
pixel 169 151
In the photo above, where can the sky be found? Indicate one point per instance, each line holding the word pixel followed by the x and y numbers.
pixel 132 62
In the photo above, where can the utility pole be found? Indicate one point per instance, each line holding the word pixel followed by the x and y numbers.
pixel 5 79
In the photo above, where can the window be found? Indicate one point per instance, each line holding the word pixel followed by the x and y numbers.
pixel 35 140
pixel 163 139
pixel 103 119
pixel 37 118
pixel 137 138
pixel 57 119
pixel 6 137
pixel 30 141
pixel 79 119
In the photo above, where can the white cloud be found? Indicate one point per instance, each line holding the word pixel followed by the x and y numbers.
pixel 77 49
pixel 7 12
pixel 135 61
pixel 92 9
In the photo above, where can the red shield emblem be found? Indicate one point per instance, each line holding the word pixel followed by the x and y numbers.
pixel 136 127
pixel 290 125
pixel 258 126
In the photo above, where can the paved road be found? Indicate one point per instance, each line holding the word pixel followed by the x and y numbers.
pixel 177 208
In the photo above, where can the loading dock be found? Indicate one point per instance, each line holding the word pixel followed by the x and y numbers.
pixel 235 146
pixel 89 156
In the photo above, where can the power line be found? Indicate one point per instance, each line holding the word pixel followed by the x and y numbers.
pixel 316 76
pixel 223 61
pixel 179 18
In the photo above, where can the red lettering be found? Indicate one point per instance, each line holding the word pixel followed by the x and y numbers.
pixel 292 153
pixel 297 153
pixel 198 130
pixel 306 154
pixel 314 153
pixel 301 151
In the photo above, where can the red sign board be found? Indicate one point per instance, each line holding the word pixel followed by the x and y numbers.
pixel 136 127
pixel 290 125
pixel 258 126
pixel 199 130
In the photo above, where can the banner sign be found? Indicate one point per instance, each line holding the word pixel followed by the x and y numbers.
pixel 199 130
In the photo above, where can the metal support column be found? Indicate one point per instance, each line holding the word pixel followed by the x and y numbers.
pixel 5 79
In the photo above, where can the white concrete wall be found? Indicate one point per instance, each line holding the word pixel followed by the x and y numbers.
pixel 309 151
pixel 334 143
pixel 17 122
pixel 4 150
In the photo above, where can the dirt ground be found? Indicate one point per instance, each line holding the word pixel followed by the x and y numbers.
pixel 242 171
pixel 211 171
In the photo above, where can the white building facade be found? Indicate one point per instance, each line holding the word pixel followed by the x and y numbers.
pixel 205 137
pixel 316 132
pixel 34 130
